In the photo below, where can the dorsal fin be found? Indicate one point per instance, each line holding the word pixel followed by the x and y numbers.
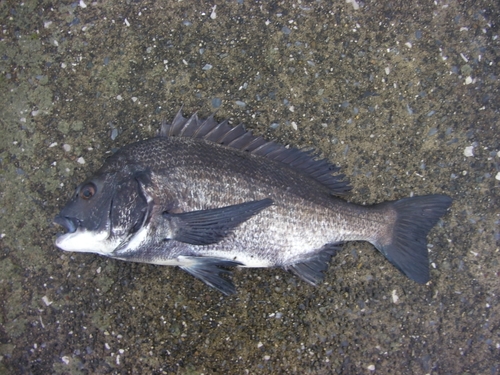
pixel 304 160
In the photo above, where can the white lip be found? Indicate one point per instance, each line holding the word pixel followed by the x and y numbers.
pixel 84 241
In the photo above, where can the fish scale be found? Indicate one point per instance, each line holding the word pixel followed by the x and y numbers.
pixel 205 196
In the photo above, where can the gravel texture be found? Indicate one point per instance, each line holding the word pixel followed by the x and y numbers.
pixel 404 95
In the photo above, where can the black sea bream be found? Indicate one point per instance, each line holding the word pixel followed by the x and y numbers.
pixel 203 195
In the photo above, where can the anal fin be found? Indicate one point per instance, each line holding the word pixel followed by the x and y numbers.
pixel 311 270
pixel 210 272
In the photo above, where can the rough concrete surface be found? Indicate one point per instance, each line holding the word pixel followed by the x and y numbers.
pixel 404 95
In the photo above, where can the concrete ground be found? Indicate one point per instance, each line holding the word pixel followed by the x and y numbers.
pixel 403 95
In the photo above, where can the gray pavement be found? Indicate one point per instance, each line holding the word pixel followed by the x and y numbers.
pixel 403 95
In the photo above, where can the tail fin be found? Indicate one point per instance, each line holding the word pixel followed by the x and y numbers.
pixel 407 248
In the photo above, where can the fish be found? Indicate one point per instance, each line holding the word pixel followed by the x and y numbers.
pixel 206 197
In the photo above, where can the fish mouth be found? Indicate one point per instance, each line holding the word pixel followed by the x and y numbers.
pixel 69 223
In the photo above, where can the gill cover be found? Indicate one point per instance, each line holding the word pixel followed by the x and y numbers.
pixel 131 205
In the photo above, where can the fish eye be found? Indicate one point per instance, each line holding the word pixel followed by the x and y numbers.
pixel 88 191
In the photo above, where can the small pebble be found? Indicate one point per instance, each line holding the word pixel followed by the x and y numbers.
pixel 354 3
pixel 395 297
pixel 216 102
pixel 469 151
pixel 432 131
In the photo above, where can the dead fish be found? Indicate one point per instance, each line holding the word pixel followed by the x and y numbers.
pixel 205 196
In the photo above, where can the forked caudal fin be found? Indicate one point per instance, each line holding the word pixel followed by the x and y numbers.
pixel 407 247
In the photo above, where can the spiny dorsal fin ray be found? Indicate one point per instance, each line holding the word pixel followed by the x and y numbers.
pixel 243 141
pixel 239 138
pixel 190 126
pixel 205 127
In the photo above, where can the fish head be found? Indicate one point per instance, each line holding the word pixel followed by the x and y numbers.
pixel 105 211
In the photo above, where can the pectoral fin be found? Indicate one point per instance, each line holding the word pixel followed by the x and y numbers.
pixel 208 270
pixel 206 227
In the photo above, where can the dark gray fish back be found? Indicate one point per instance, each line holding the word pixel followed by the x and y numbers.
pixel 305 161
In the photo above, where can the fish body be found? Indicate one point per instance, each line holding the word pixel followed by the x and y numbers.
pixel 205 196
